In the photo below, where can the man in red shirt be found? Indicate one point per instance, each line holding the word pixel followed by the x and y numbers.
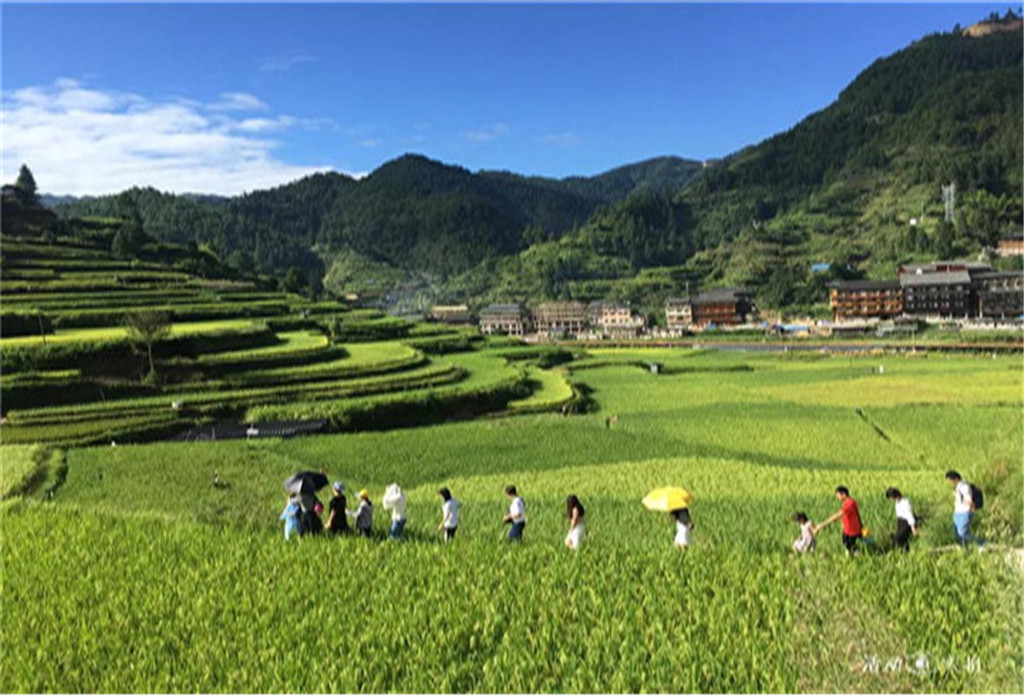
pixel 849 512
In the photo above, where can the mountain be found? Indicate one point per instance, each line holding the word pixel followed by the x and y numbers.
pixel 859 184
pixel 412 214
pixel 856 187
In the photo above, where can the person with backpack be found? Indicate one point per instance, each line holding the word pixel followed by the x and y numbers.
pixel 906 522
pixel 967 500
pixel 849 512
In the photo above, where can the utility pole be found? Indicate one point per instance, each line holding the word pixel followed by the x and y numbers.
pixel 949 200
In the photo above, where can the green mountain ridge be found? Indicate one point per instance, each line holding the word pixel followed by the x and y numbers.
pixel 856 186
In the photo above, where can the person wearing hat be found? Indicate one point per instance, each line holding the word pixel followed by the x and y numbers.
pixel 363 515
pixel 337 520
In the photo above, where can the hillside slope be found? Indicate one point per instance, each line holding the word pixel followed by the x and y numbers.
pixel 839 188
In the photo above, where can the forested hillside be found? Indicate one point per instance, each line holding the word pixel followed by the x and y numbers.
pixel 840 188
pixel 411 214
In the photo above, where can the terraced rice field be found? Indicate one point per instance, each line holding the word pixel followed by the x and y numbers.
pixel 212 598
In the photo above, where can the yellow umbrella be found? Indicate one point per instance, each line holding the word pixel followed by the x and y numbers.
pixel 667 499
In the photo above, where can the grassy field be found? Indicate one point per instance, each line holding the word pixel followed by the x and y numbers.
pixel 102 334
pixel 140 575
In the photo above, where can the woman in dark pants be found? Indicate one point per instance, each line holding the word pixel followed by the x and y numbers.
pixel 906 522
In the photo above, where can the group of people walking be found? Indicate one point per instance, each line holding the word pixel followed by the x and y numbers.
pixel 967 500
pixel 302 514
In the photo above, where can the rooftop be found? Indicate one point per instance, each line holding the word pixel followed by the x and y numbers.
pixel 955 277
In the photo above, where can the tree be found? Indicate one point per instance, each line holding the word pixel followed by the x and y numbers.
pixel 124 244
pixel 26 185
pixel 147 328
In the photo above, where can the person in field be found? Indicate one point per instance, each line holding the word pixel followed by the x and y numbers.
pixel 906 522
pixel 337 517
pixel 394 502
pixel 449 514
pixel 516 516
pixel 964 508
pixel 364 515
pixel 849 512
pixel 290 517
pixel 684 528
pixel 805 543
pixel 577 529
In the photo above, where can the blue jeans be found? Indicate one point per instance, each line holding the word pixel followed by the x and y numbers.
pixel 962 527
pixel 515 531
pixel 397 529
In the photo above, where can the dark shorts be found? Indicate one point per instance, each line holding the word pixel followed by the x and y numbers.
pixel 515 531
pixel 365 532
pixel 449 533
pixel 850 543
pixel 901 539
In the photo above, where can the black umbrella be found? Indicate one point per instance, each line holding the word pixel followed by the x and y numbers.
pixel 305 483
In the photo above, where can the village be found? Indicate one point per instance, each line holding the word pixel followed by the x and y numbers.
pixel 965 294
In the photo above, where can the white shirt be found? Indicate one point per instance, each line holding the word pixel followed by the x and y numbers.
pixel 394 500
pixel 517 510
pixel 450 510
pixel 962 497
pixel 904 511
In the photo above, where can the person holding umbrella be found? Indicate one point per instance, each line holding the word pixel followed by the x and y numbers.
pixel 303 486
pixel 676 501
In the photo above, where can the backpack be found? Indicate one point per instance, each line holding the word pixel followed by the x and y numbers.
pixel 977 497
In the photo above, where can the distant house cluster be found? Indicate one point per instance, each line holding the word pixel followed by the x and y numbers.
pixel 607 319
pixel 945 289
pixel 557 319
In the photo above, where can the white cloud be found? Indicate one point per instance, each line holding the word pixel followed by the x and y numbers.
pixel 492 132
pixel 237 101
pixel 284 61
pixel 82 141
pixel 567 139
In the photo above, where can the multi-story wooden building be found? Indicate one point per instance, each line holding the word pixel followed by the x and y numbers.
pixel 560 318
pixel 945 294
pixel 1000 294
pixel 614 319
pixel 510 319
pixel 678 314
pixel 729 306
pixel 864 299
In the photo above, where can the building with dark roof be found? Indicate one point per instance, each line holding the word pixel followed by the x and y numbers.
pixel 945 294
pixel 1000 294
pixel 728 306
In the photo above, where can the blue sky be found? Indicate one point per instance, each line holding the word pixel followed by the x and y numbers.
pixel 235 97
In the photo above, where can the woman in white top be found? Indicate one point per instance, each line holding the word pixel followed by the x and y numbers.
pixel 516 517
pixel 577 530
pixel 449 514
pixel 906 522
pixel 684 527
